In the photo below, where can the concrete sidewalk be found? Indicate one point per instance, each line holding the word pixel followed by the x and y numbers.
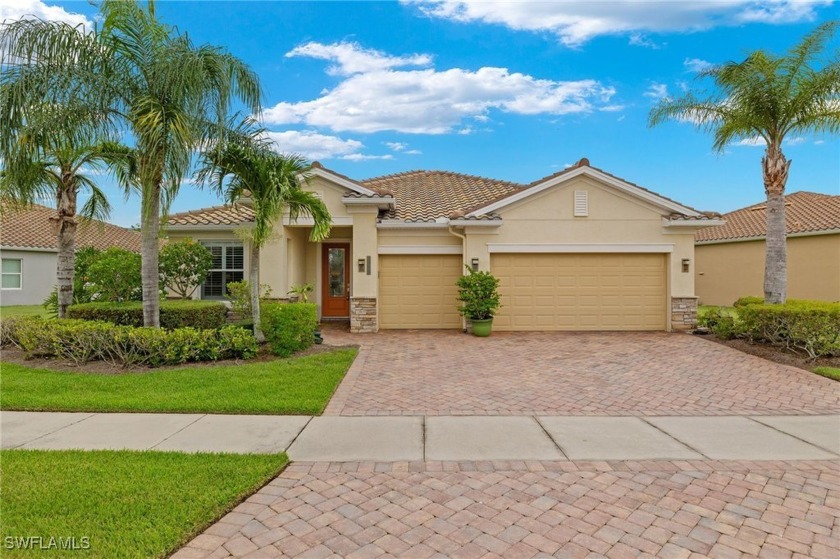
pixel 447 438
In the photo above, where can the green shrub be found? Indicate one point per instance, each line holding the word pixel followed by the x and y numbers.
pixel 811 327
pixel 239 295
pixel 8 331
pixel 173 314
pixel 744 301
pixel 114 275
pixel 81 341
pixel 184 266
pixel 478 293
pixel 288 327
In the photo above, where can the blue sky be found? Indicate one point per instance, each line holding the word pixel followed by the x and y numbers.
pixel 512 91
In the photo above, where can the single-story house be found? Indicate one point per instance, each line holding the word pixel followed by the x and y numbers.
pixel 578 250
pixel 730 258
pixel 29 250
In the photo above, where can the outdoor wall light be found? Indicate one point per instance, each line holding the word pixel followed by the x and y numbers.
pixel 368 265
pixel 474 263
pixel 685 265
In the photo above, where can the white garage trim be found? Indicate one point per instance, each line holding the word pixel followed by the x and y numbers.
pixel 579 247
pixel 420 249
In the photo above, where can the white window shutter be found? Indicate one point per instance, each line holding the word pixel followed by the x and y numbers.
pixel 581 203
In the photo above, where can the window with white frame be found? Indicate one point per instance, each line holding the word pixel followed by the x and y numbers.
pixel 12 276
pixel 228 266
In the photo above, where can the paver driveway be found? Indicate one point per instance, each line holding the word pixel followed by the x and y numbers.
pixel 522 510
pixel 569 373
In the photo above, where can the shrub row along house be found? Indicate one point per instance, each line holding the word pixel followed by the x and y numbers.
pixel 29 248
pixel 730 258
pixel 578 250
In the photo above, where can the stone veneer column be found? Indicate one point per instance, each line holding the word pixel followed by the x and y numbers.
pixel 683 313
pixel 363 318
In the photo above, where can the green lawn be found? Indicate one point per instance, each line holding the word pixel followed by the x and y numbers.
pixel 23 310
pixel 127 504
pixel 297 385
pixel 830 372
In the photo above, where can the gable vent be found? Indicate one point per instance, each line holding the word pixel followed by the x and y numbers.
pixel 581 203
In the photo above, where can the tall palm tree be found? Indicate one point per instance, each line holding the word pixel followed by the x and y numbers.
pixel 45 164
pixel 245 168
pixel 145 78
pixel 768 97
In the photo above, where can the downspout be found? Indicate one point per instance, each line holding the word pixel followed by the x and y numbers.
pixel 463 262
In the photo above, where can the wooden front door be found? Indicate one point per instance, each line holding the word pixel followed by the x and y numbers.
pixel 335 280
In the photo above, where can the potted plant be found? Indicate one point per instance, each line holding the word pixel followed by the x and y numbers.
pixel 478 293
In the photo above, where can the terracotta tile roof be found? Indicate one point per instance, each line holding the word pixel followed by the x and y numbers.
pixel 32 228
pixel 805 212
pixel 427 195
pixel 216 215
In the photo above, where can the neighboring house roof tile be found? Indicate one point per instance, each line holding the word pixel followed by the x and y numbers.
pixel 427 195
pixel 216 215
pixel 34 227
pixel 805 212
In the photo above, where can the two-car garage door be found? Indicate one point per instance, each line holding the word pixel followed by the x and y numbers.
pixel 581 291
pixel 539 291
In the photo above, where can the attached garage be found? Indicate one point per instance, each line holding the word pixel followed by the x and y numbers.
pixel 581 291
pixel 419 291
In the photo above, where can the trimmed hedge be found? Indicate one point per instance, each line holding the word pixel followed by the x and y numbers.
pixel 81 341
pixel 288 327
pixel 812 327
pixel 203 315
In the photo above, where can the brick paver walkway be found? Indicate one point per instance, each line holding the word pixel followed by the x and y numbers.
pixel 545 373
pixel 520 510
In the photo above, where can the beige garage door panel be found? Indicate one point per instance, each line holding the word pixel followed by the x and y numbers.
pixel 581 291
pixel 419 291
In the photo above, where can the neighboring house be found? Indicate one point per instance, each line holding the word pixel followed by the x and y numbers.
pixel 730 258
pixel 28 250
pixel 578 250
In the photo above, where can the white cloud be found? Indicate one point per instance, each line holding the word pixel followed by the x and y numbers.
pixel 640 40
pixel 657 91
pixel 364 157
pixel 352 58
pixel 28 9
pixel 428 101
pixel 313 145
pixel 576 22
pixel 402 147
pixel 696 65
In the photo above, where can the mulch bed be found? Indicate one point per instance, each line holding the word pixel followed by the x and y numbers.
pixel 777 355
pixel 17 356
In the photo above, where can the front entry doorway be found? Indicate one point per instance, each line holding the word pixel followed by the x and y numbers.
pixel 335 280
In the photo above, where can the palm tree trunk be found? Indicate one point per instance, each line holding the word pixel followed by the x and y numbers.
pixel 254 281
pixel 66 262
pixel 150 233
pixel 775 167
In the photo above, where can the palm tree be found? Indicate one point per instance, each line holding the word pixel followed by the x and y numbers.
pixel 44 164
pixel 768 97
pixel 141 76
pixel 246 169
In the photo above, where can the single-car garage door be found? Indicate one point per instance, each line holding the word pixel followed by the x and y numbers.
pixel 581 291
pixel 419 291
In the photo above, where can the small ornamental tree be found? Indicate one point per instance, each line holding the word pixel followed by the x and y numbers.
pixel 115 276
pixel 478 293
pixel 184 266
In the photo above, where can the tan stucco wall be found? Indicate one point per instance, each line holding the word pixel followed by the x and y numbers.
pixel 727 271
pixel 614 218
